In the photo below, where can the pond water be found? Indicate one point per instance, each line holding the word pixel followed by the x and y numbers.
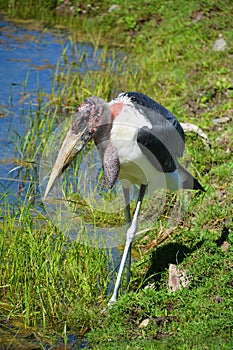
pixel 30 55
pixel 29 58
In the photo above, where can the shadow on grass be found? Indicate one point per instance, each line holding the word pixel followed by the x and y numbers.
pixel 174 253
pixel 162 257
pixel 225 233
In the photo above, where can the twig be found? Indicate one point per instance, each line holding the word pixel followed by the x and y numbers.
pixel 188 127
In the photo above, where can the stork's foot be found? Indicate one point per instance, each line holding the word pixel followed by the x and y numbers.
pixel 112 301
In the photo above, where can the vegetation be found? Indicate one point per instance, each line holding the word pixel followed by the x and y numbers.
pixel 55 288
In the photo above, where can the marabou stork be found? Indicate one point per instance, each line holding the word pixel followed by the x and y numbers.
pixel 138 140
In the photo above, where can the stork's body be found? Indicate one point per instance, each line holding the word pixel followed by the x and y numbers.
pixel 139 141
pixel 134 164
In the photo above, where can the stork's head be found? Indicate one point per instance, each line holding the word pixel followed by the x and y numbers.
pixel 92 119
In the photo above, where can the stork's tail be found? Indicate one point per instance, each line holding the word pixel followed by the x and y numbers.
pixel 188 181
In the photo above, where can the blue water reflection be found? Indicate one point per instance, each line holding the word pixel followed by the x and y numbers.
pixel 32 56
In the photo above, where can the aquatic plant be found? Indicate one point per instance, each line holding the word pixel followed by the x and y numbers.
pixel 45 280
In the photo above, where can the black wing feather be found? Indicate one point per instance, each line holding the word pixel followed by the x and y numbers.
pixel 157 144
pixel 164 142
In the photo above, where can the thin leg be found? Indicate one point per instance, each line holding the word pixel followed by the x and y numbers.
pixel 128 264
pixel 128 222
pixel 129 239
pixel 127 206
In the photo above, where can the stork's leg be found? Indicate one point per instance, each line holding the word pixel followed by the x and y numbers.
pixel 129 239
pixel 127 206
pixel 128 223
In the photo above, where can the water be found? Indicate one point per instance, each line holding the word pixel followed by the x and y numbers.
pixel 31 56
pixel 29 60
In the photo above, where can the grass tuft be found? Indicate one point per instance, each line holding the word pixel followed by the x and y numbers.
pixel 164 50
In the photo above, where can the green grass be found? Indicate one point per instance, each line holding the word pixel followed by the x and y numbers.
pixel 56 288
pixel 46 279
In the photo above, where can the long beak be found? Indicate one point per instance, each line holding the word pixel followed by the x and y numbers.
pixel 71 146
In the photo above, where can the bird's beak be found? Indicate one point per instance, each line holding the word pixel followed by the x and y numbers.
pixel 71 146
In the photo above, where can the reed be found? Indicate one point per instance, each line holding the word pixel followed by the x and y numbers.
pixel 49 281
pixel 45 277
